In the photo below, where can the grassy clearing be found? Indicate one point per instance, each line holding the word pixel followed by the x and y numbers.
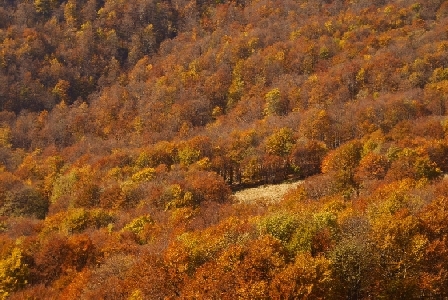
pixel 268 193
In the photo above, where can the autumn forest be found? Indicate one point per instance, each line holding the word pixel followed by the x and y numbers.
pixel 127 126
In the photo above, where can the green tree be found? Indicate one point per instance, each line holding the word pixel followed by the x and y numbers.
pixel 280 142
pixel 281 226
pixel 275 104
pixel 236 88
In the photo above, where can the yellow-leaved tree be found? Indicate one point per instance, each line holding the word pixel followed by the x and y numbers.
pixel 13 273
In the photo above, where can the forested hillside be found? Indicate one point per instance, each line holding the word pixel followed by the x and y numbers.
pixel 126 125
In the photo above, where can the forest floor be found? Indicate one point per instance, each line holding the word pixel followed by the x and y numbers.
pixel 268 193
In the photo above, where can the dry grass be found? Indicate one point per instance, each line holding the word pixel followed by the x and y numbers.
pixel 268 193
